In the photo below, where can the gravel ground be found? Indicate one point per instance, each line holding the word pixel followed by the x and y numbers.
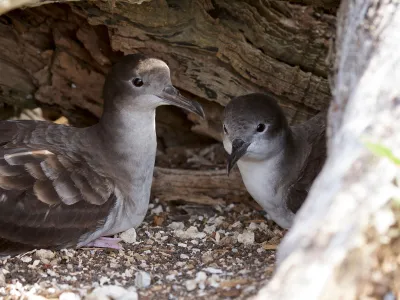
pixel 180 252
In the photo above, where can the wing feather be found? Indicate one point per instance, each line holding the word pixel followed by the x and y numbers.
pixel 49 195
pixel 315 131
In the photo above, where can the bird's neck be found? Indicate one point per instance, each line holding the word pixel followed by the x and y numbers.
pixel 126 129
pixel 129 143
pixel 263 178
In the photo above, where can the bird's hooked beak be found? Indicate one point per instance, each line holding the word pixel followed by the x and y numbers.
pixel 239 148
pixel 172 96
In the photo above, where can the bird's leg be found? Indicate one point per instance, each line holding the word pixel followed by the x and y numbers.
pixel 105 242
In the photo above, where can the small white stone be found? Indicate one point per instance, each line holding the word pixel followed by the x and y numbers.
pixel 260 250
pixel 180 264
pixel 383 219
pixel 69 296
pixel 209 229
pixel 34 297
pixel 158 210
pixel 213 281
pixel 212 270
pixel 207 257
pixel 253 226
pixel 236 224
pixel 247 237
pixel 219 220
pixel 112 292
pixel 183 245
pixel 176 225
pixel 26 259
pixel 129 236
pixel 103 280
pixel 52 273
pixel 201 276
pixel 184 256
pixel 73 85
pixel 191 233
pixel 190 285
pixel 217 237
pixel 45 255
pixel 36 263
pixel 170 277
pixel 2 280
pixel 143 279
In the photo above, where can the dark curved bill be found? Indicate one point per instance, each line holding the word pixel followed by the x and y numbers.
pixel 172 96
pixel 239 148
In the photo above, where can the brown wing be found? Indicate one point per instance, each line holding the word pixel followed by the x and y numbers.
pixel 49 195
pixel 315 130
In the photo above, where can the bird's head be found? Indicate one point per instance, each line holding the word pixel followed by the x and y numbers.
pixel 138 82
pixel 254 128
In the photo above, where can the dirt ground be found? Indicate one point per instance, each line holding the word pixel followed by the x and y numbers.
pixel 181 251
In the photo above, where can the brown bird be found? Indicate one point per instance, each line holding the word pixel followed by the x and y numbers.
pixel 62 186
pixel 278 163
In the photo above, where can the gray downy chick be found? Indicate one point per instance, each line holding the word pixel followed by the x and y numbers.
pixel 278 163
pixel 62 186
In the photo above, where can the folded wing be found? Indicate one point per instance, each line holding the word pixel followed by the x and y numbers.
pixel 48 198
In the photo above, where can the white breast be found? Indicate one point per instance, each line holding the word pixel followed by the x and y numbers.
pixel 262 181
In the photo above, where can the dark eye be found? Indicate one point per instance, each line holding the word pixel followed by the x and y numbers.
pixel 225 130
pixel 260 127
pixel 137 82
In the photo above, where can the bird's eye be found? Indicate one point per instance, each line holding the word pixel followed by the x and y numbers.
pixel 260 127
pixel 137 82
pixel 225 130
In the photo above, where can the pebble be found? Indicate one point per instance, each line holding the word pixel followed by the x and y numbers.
pixel 237 224
pixel 170 277
pixel 253 226
pixel 260 250
pixel 129 236
pixel 2 279
pixel 190 285
pixel 184 256
pixel 201 277
pixel 176 225
pixel 45 255
pixel 247 237
pixel 112 292
pixel 191 233
pixel 158 210
pixel 26 259
pixel 213 281
pixel 35 297
pixel 217 237
pixel 210 229
pixel 207 257
pixel 212 270
pixel 143 279
pixel 69 296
